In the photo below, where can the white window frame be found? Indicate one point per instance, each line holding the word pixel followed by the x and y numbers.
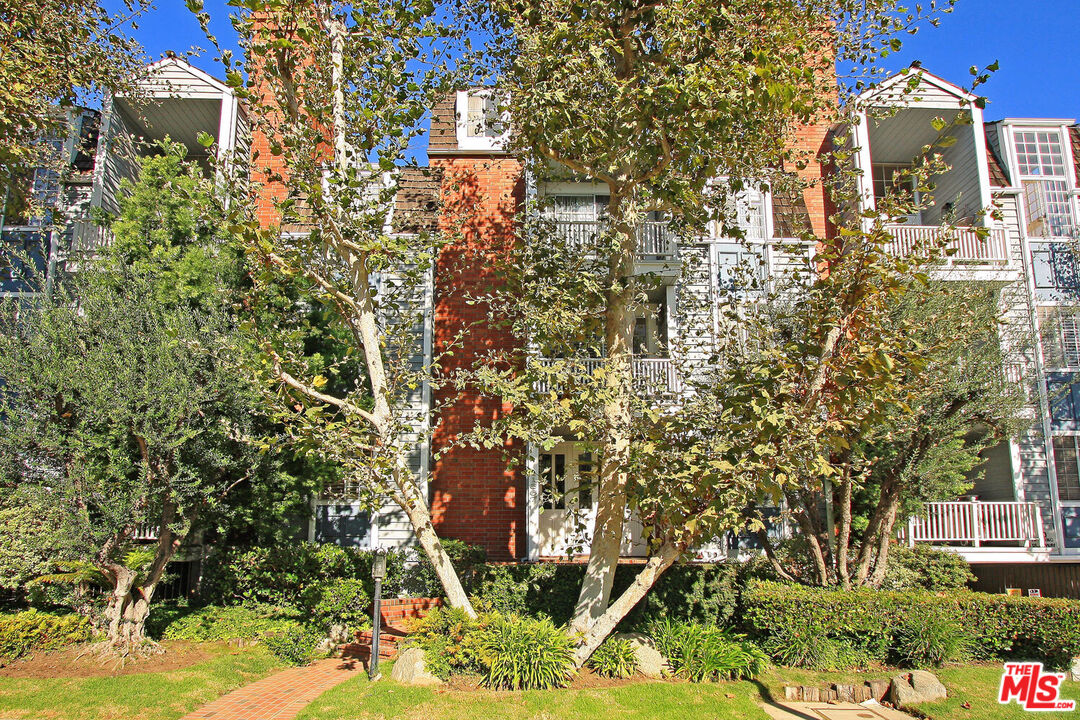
pixel 1036 186
pixel 485 143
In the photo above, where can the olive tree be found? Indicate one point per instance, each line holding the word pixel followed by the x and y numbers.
pixel 120 403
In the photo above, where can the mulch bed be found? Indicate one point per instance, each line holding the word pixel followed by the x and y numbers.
pixel 77 662
pixel 585 680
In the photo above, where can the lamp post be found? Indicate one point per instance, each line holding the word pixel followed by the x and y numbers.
pixel 378 572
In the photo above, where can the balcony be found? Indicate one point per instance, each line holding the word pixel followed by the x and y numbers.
pixel 966 247
pixel 651 375
pixel 979 530
pixel 655 240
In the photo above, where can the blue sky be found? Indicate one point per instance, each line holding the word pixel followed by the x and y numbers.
pixel 1035 41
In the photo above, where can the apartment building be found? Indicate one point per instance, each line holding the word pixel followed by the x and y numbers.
pixel 1019 526
pixel 99 152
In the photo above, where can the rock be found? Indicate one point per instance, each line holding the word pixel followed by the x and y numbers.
pixel 650 662
pixel 410 669
pixel 326 647
pixel 916 687
pixel 1075 669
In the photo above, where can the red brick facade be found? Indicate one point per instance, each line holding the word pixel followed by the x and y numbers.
pixel 475 496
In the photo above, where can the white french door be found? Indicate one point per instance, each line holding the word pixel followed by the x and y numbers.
pixel 567 484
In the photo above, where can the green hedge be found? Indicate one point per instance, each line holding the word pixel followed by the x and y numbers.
pixel 32 630
pixel 1001 626
pixel 318 578
pixel 213 623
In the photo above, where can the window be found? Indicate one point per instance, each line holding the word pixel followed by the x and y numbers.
pixel 586 476
pixel 553 481
pixel 1063 390
pixel 483 117
pixel 739 267
pixel 890 181
pixel 1070 521
pixel 344 525
pixel 1040 156
pixel 1039 152
pixel 1067 467
pixel 1054 266
pixel 1060 330
pixel 24 259
pixel 1049 213
pixel 481 123
pixel 567 476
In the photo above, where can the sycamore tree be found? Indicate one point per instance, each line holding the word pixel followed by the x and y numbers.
pixel 338 91
pixel 674 109
pixel 869 384
pixel 120 404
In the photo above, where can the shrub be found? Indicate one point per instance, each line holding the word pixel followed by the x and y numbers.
pixel 449 639
pixel 213 623
pixel 1002 627
pixel 703 593
pixel 795 647
pixel 343 601
pixel 931 641
pixel 31 630
pixel 294 643
pixel 292 575
pixel 702 652
pixel 525 653
pixel 927 568
pixel 614 659
pixel 420 580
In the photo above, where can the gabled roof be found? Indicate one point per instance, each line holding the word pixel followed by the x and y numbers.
pixel 895 84
pixel 175 76
pixel 999 176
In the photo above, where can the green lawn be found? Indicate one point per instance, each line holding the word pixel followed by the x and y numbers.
pixel 979 685
pixel 150 696
pixel 169 695
pixel 360 700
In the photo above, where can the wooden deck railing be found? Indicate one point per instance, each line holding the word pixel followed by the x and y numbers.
pixel 650 374
pixel 654 237
pixel 975 522
pixel 968 246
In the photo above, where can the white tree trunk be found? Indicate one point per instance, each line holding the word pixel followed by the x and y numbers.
pixel 408 494
pixel 603 625
pixel 611 505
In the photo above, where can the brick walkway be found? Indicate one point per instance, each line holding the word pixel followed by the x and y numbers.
pixel 281 696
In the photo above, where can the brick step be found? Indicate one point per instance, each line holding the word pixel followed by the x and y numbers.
pixel 389 640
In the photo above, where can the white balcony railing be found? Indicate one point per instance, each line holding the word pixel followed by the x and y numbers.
pixel 968 248
pixel 651 375
pixel 654 237
pixel 975 523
